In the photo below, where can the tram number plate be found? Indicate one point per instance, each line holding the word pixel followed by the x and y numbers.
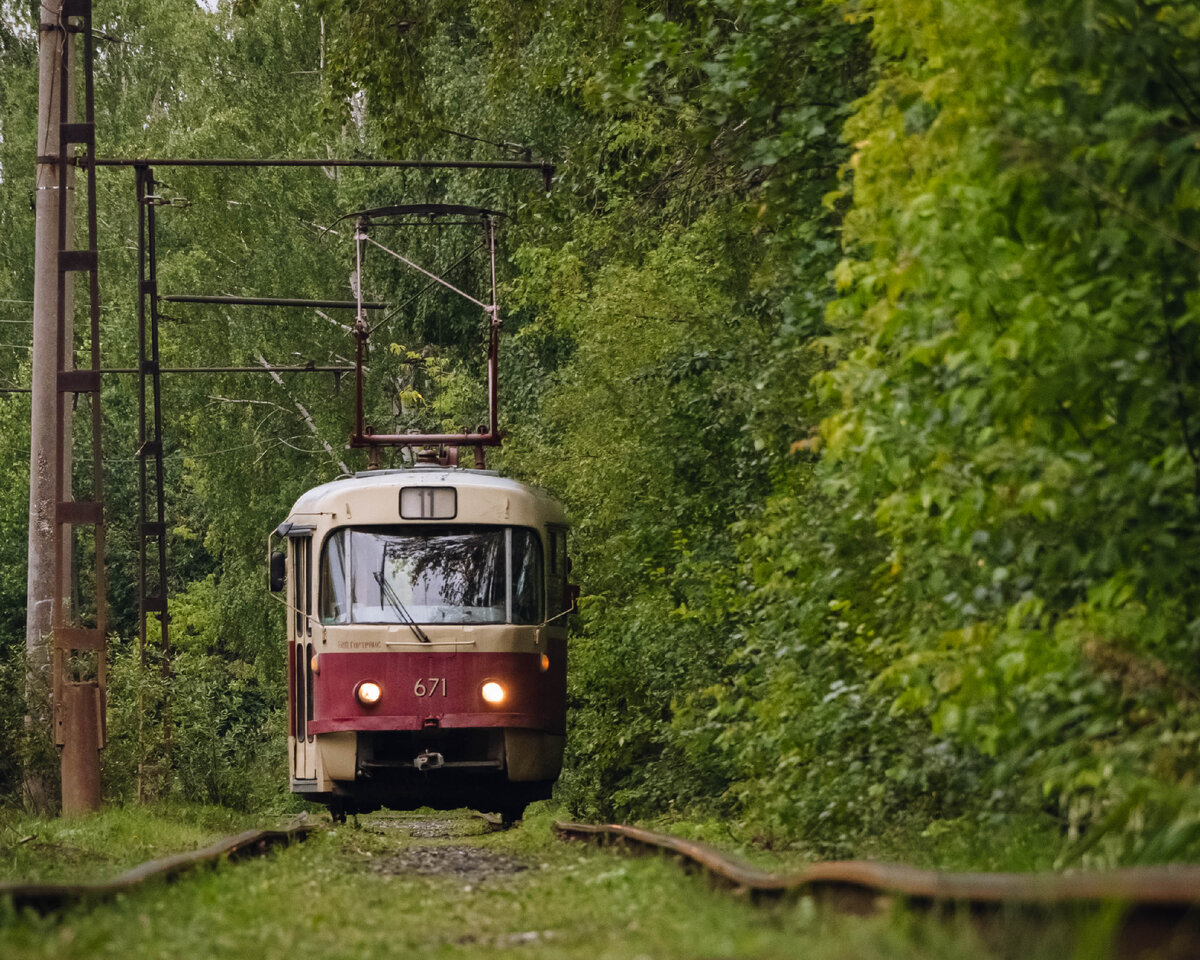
pixel 428 686
pixel 428 503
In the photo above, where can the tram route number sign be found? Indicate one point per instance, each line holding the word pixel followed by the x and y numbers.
pixel 428 686
pixel 428 503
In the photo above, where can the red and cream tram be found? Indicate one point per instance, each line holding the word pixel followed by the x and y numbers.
pixel 427 640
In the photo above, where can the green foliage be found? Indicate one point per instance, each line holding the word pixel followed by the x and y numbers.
pixel 18 86
pixel 862 342
pixel 659 310
pixel 1017 397
pixel 208 729
pixel 968 594
pixel 14 517
pixel 176 80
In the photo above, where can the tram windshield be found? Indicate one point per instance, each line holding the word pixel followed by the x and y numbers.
pixel 432 574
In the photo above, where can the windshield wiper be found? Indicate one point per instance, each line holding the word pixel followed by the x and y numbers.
pixel 389 594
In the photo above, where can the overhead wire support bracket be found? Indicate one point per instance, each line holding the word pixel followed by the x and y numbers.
pixel 79 684
pixel 544 167
pixel 291 368
pixel 363 435
pixel 490 308
pixel 272 302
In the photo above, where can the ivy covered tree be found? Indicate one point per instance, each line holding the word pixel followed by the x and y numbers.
pixel 1018 401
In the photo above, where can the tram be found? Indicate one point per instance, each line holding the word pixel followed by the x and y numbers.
pixel 427 640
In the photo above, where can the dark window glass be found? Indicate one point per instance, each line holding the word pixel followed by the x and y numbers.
pixel 302 584
pixel 308 545
pixel 436 574
pixel 431 574
pixel 528 579
pixel 308 681
pixel 298 710
pixel 335 579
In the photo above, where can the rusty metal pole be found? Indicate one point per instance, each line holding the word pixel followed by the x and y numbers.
pixel 361 330
pixel 493 361
pixel 53 49
pixel 66 652
pixel 79 664
pixel 81 735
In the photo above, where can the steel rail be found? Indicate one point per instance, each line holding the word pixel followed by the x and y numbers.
pixel 1175 887
pixel 49 897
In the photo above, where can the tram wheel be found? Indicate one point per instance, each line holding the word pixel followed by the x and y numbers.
pixel 512 814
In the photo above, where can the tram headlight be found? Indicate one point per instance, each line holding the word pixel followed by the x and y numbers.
pixel 492 692
pixel 368 693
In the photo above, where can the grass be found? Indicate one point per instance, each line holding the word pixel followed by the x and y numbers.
pixel 361 893
pixel 99 846
pixel 1009 843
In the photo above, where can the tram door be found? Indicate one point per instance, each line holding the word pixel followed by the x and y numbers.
pixel 304 747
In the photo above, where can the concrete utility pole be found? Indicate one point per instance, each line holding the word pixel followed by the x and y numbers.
pixel 54 45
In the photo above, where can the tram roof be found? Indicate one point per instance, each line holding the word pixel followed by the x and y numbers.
pixel 321 497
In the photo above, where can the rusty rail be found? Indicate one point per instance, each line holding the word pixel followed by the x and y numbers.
pixel 49 897
pixel 1155 910
pixel 1170 888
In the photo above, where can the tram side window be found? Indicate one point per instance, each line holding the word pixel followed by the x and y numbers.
pixel 335 579
pixel 527 577
pixel 308 592
pixel 302 578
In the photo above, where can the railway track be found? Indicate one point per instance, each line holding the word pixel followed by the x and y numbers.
pixel 1155 910
pixel 50 897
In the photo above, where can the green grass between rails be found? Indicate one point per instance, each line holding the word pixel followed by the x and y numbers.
pixel 341 894
pixel 100 846
pixel 1009 843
